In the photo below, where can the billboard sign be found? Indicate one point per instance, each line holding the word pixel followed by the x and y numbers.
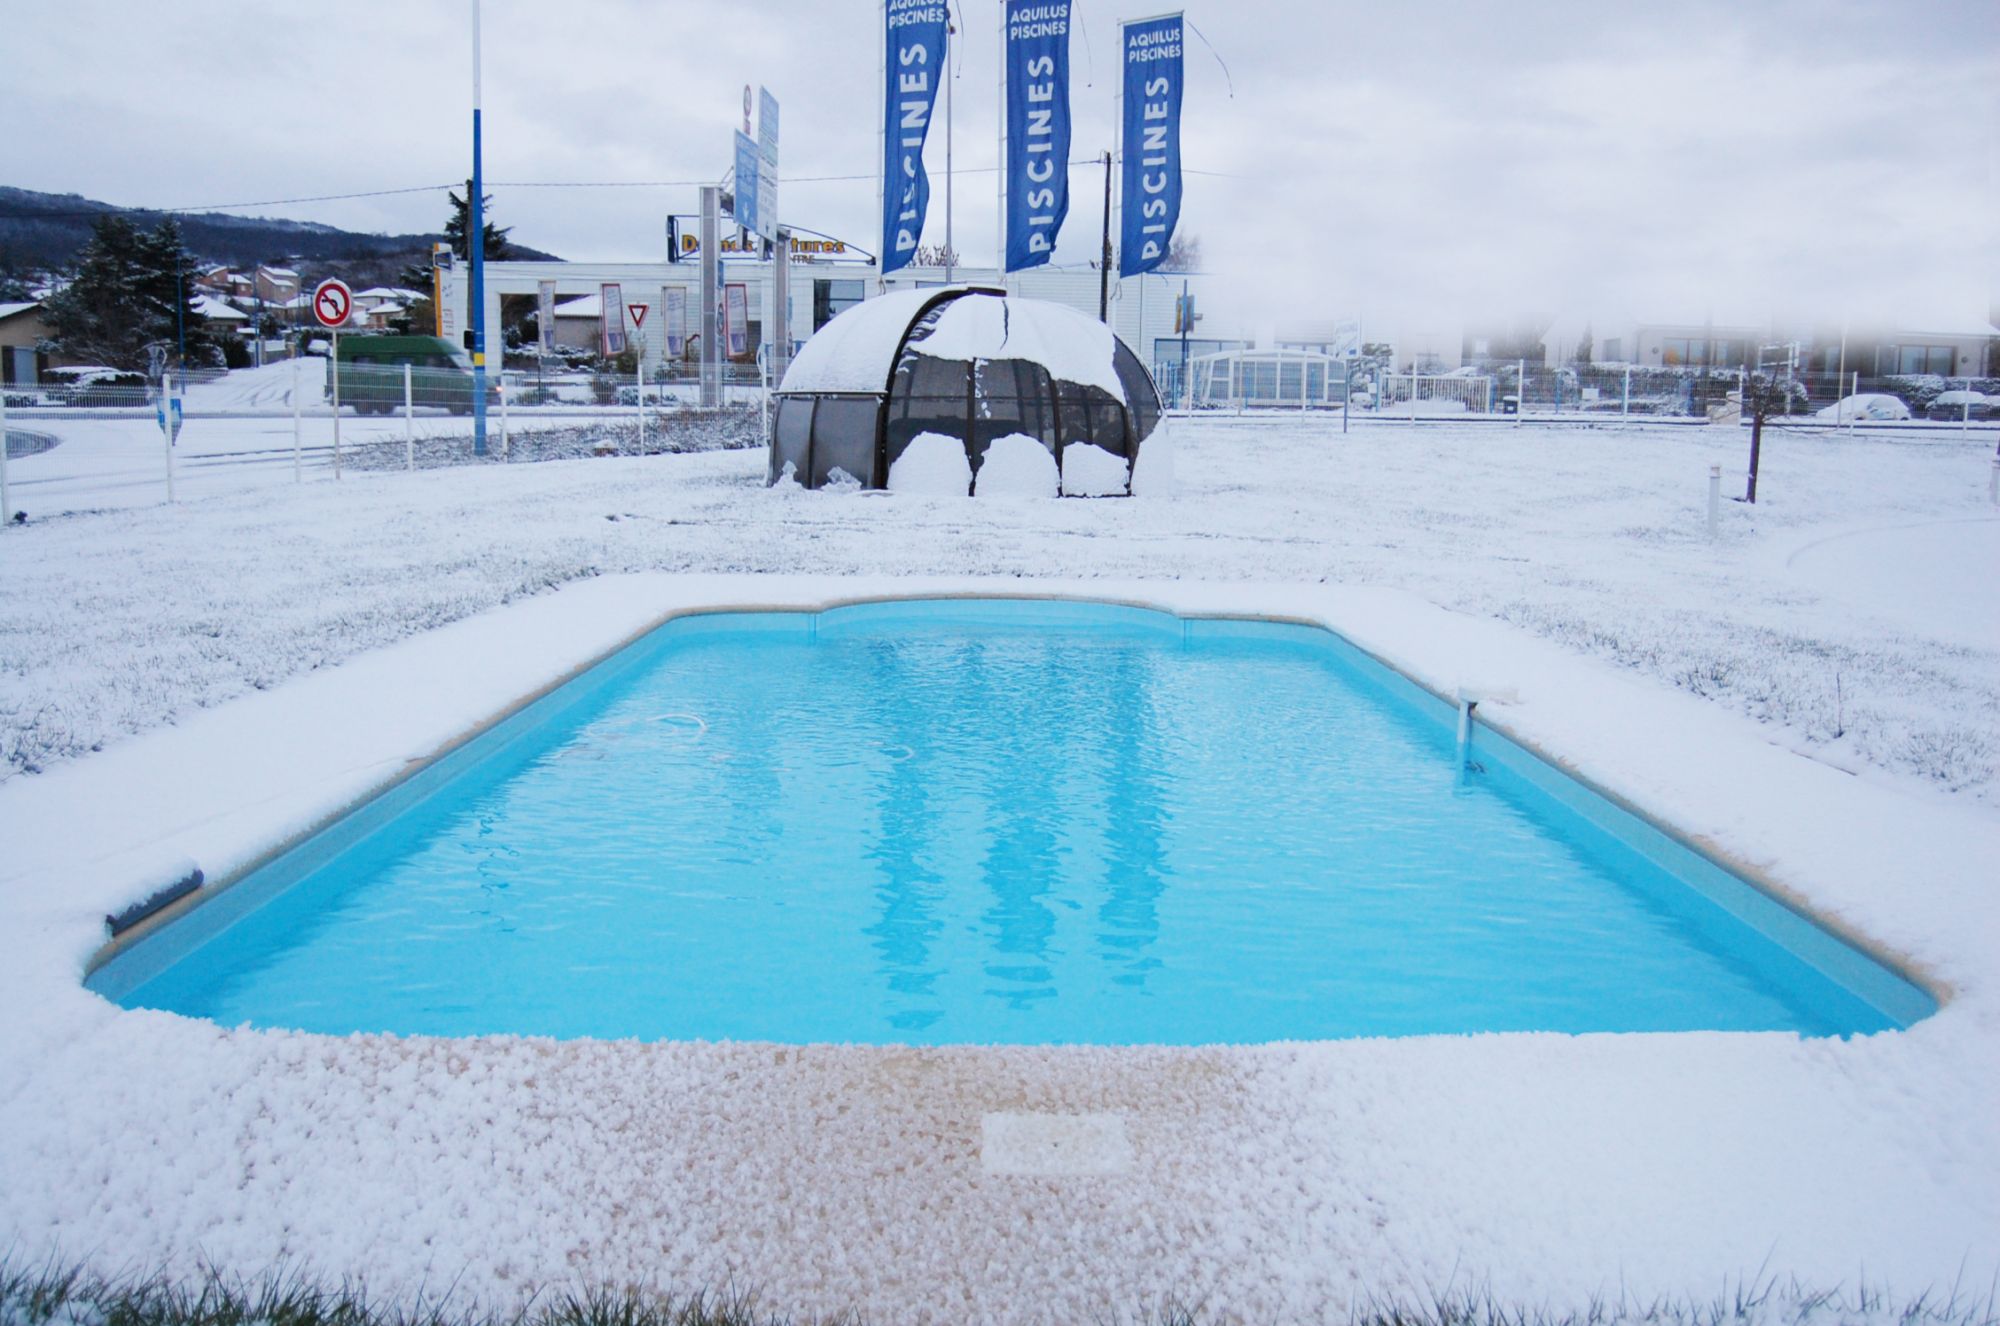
pixel 747 162
pixel 1152 170
pixel 736 319
pixel 673 308
pixel 1037 129
pixel 915 61
pixel 767 125
pixel 545 318
pixel 611 337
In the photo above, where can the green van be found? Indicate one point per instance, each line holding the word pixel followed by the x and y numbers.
pixel 371 374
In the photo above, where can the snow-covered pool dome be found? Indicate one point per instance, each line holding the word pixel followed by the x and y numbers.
pixel 969 390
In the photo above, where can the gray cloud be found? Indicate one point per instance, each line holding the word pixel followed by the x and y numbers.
pixel 1674 161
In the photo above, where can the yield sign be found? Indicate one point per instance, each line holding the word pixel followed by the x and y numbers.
pixel 638 313
pixel 332 302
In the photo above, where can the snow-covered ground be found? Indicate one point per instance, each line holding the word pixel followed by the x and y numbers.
pixel 1816 693
pixel 238 435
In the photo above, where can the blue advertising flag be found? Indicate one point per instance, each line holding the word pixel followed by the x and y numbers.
pixel 1152 172
pixel 915 32
pixel 1037 128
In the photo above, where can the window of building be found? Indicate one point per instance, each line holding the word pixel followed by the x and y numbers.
pixel 1938 359
pixel 831 298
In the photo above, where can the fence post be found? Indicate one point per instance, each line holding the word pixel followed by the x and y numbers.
pixel 639 379
pixel 333 367
pixel 298 461
pixel 6 503
pixel 1520 392
pixel 1993 483
pixel 409 422
pixel 167 427
pixel 1625 406
pixel 506 438
pixel 1857 391
pixel 1714 498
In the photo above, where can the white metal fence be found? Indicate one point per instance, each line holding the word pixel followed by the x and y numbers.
pixel 1448 393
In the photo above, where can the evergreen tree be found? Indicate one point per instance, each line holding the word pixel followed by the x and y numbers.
pixel 132 291
pixel 457 232
pixel 168 295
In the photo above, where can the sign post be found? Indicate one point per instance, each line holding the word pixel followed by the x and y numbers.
pixel 333 302
pixel 639 365
pixel 6 515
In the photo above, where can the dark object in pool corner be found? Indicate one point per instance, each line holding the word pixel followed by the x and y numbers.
pixel 119 922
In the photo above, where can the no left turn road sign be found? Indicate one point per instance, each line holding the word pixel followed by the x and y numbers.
pixel 332 302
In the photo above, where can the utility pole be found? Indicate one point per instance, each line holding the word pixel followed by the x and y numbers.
pixel 1104 269
pixel 476 219
pixel 950 254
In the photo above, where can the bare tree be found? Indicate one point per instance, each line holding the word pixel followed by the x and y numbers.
pixel 1766 395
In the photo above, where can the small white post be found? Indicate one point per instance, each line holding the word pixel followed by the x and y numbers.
pixel 333 367
pixel 506 437
pixel 1965 417
pixel 1714 499
pixel 1625 406
pixel 1993 483
pixel 409 422
pixel 298 459
pixel 167 427
pixel 763 399
pixel 1520 392
pixel 6 503
pixel 639 380
pixel 1857 392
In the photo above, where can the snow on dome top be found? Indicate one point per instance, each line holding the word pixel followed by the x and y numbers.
pixel 855 351
pixel 1071 346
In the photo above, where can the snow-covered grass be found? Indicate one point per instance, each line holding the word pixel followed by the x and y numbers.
pixel 1472 1181
pixel 113 623
pixel 73 1296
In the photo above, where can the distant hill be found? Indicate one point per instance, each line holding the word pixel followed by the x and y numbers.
pixel 43 231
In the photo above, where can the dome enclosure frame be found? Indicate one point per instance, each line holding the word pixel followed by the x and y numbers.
pixel 965 364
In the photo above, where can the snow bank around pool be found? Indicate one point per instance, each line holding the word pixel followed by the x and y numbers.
pixel 1089 470
pixel 1017 466
pixel 933 465
pixel 1274 1183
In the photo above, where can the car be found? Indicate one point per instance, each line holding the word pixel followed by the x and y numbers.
pixel 96 387
pixel 1953 407
pixel 1868 405
pixel 371 374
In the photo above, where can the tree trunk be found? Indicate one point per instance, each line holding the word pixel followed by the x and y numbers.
pixel 1756 447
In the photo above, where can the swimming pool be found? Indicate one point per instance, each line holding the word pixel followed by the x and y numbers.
pixel 1009 821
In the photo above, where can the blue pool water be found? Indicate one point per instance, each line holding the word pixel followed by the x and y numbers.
pixel 979 821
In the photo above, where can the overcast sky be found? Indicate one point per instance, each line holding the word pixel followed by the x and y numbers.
pixel 1811 158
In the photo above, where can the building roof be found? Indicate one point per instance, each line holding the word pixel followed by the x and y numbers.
pixel 211 307
pixel 14 310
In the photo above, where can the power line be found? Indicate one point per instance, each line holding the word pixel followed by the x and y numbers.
pixel 109 209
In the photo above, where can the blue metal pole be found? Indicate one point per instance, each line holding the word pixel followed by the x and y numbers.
pixel 477 220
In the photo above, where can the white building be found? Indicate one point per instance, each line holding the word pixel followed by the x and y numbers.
pixel 825 279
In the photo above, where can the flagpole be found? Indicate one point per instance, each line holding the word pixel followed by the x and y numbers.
pixel 1000 238
pixel 476 220
pixel 950 257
